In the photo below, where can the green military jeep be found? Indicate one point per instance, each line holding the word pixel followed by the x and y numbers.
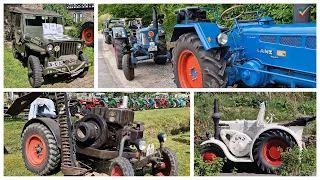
pixel 37 36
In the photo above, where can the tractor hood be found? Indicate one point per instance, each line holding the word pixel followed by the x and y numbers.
pixel 308 29
pixel 43 40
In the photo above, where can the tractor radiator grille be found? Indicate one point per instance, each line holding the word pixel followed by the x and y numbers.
pixel 66 48
pixel 295 41
pixel 311 42
pixel 269 39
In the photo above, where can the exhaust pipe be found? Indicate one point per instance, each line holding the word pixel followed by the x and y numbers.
pixel 154 18
pixel 216 118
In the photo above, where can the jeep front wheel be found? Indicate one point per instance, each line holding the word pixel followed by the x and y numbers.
pixel 34 71
pixel 15 52
pixel 83 58
pixel 195 67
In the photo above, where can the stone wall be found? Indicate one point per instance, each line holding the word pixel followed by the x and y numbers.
pixel 6 25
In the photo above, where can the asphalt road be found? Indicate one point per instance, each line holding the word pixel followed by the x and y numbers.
pixel 147 73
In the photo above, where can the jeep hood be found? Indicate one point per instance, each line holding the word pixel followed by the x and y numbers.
pixel 41 39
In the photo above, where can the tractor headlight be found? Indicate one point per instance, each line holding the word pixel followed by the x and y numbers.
pixel 79 45
pixel 222 38
pixel 162 137
pixel 141 144
pixel 112 116
pixel 49 47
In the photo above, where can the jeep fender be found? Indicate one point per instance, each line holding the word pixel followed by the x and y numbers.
pixel 205 31
pixel 276 127
pixel 51 124
pixel 225 150
pixel 34 47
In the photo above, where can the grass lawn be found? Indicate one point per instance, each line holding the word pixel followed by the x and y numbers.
pixel 16 71
pixel 174 122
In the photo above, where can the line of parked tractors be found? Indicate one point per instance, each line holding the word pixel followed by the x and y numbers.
pixel 255 52
pixel 154 101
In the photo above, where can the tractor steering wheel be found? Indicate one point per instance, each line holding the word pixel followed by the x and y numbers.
pixel 231 9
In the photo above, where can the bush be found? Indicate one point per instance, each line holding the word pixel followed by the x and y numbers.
pixel 202 168
pixel 75 30
pixel 298 164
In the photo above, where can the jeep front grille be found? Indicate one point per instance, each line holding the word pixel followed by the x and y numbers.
pixel 66 48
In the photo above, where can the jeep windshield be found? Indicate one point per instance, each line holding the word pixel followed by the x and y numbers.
pixel 32 20
pixel 34 23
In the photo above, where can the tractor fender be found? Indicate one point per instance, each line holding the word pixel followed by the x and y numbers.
pixel 51 124
pixel 276 127
pixel 207 33
pixel 225 150
pixel 34 47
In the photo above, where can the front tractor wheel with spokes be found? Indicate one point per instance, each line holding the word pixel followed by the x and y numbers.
pixel 40 151
pixel 120 167
pixel 195 67
pixel 268 147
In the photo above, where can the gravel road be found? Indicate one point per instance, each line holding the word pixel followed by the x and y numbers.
pixel 147 73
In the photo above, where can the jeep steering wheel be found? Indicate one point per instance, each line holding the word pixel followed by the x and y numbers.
pixel 230 9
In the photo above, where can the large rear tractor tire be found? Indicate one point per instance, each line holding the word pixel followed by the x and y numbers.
pixel 34 71
pixel 40 151
pixel 127 69
pixel 120 46
pixel 120 167
pixel 194 67
pixel 171 164
pixel 267 149
pixel 87 33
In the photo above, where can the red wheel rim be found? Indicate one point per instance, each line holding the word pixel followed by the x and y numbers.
pixel 116 171
pixel 36 150
pixel 165 171
pixel 209 156
pixel 271 151
pixel 101 104
pixel 189 70
pixel 87 35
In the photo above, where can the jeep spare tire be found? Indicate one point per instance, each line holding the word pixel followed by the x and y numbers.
pixel 34 71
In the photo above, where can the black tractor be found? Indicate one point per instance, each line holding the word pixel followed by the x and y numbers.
pixel 105 141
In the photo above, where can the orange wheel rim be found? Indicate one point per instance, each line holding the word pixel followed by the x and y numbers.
pixel 165 171
pixel 87 35
pixel 189 70
pixel 271 152
pixel 36 150
pixel 116 171
pixel 209 157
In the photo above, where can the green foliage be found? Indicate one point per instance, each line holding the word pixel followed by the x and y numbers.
pixel 296 163
pixel 212 168
pixel 75 30
pixel 281 13
pixel 61 9
pixel 286 106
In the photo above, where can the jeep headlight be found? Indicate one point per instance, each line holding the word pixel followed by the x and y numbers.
pixel 79 45
pixel 141 144
pixel 49 47
pixel 222 38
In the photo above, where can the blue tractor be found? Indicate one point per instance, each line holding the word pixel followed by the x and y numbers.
pixel 110 23
pixel 145 43
pixel 120 42
pixel 253 53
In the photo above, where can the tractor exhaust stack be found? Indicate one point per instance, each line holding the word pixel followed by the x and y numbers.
pixel 216 118
pixel 154 18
